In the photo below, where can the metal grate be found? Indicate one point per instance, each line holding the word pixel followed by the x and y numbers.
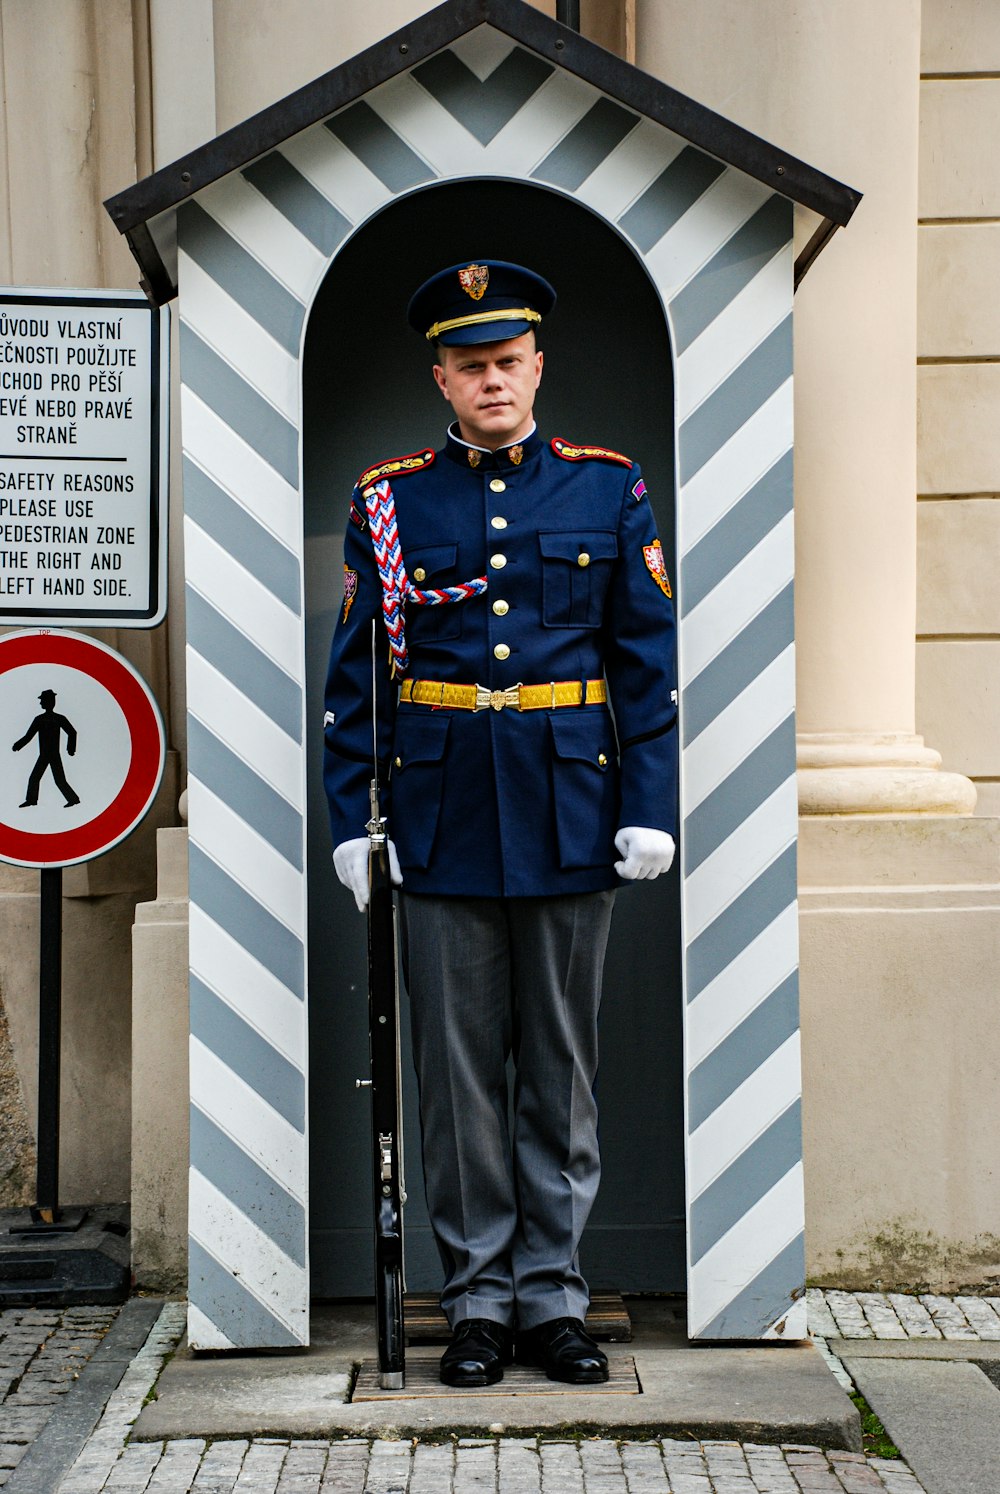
pixel 423 1383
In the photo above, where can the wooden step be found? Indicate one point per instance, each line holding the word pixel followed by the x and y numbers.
pixel 424 1322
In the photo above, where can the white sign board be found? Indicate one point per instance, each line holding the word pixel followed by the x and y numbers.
pixel 84 392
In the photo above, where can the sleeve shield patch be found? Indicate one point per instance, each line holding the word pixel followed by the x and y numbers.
pixel 657 566
pixel 350 590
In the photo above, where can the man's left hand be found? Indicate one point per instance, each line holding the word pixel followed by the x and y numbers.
pixel 646 852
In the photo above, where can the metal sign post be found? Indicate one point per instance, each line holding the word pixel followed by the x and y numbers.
pixel 46 1212
pixel 93 752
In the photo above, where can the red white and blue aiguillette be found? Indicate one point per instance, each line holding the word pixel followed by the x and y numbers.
pixel 397 589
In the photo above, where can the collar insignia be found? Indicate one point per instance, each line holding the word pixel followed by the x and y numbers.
pixel 475 457
pixel 474 279
pixel 516 454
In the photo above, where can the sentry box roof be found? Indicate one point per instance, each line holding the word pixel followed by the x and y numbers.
pixel 144 213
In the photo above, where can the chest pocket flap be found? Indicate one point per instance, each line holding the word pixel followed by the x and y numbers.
pixel 598 544
pixel 430 566
pixel 576 570
pixel 431 559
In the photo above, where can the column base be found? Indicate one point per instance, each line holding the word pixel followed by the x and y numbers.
pixel 888 773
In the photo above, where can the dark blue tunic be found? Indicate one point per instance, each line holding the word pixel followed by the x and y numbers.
pixel 508 803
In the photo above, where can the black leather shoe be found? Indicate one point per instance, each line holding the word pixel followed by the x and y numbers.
pixel 565 1351
pixel 478 1351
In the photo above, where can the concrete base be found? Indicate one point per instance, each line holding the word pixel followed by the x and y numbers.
pixel 900 944
pixel 781 1393
pixel 160 1074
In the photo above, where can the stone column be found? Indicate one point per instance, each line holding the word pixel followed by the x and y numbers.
pixel 899 893
pixel 839 88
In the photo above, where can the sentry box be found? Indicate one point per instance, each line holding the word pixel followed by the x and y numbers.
pixel 292 243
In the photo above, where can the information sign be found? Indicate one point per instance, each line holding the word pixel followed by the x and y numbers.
pixel 83 750
pixel 83 454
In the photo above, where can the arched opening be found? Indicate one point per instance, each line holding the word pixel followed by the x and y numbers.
pixel 368 394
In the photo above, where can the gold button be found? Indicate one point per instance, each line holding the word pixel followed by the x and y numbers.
pixel 501 608
pixel 499 523
pixel 602 760
pixel 420 574
pixel 583 558
pixel 498 485
pixel 501 651
pixel 498 562
pixel 398 761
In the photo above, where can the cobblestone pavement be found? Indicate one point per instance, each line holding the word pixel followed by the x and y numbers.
pixel 109 1464
pixel 502 1466
pixel 895 1315
pixel 42 1351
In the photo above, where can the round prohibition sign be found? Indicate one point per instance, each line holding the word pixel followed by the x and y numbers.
pixel 85 748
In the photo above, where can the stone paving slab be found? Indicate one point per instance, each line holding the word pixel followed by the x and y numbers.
pixel 975 1350
pixel 768 1393
pixel 943 1416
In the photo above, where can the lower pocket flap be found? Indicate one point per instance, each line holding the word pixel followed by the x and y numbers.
pixel 420 739
pixel 584 737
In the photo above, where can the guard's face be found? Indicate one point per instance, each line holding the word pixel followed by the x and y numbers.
pixel 491 388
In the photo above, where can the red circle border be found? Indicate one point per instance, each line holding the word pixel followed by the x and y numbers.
pixel 75 651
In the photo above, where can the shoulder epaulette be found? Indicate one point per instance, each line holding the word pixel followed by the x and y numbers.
pixel 581 453
pixel 396 467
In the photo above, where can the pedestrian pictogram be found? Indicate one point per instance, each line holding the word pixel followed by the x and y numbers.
pixel 87 765
pixel 48 728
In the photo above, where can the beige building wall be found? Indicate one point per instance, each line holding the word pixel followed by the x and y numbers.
pixel 75 128
pixel 900 927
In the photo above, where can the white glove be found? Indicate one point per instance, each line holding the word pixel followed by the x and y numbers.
pixel 647 852
pixel 350 862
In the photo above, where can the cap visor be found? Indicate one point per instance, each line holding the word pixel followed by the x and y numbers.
pixel 464 337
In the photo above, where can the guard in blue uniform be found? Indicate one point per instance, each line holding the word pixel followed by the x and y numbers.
pixel 519 595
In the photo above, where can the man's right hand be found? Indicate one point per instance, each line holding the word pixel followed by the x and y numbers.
pixel 350 862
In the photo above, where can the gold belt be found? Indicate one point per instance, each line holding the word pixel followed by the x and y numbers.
pixel 521 697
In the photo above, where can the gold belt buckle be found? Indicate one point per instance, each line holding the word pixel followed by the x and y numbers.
pixel 497 699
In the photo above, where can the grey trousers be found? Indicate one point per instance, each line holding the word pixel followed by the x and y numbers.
pixel 490 977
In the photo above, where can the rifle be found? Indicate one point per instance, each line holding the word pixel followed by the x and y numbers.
pixel 386 1093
